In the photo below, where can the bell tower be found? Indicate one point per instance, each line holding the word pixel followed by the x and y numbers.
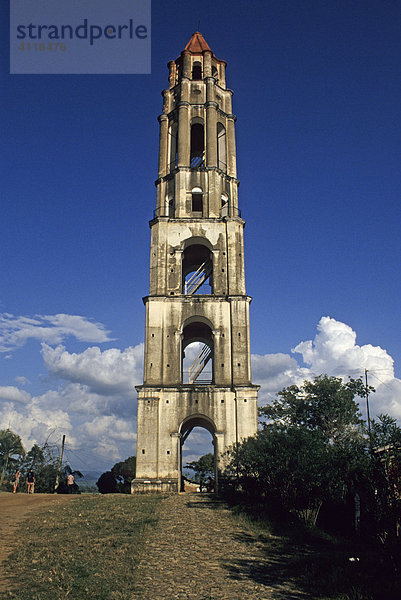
pixel 197 368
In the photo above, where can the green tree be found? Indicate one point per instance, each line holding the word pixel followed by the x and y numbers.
pixel 107 483
pixel 11 450
pixel 124 472
pixel 386 457
pixel 325 404
pixel 312 447
pixel 118 479
pixel 293 469
pixel 203 468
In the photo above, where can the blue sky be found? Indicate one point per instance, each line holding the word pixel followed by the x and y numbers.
pixel 317 95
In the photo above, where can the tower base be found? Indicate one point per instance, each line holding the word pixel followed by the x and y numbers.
pixel 154 486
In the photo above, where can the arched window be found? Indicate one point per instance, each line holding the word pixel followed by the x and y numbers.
pixel 215 72
pixel 221 147
pixel 172 156
pixel 197 145
pixel 224 206
pixel 197 202
pixel 197 353
pixel 197 270
pixel 197 70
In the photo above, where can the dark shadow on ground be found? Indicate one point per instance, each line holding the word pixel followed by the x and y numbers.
pixel 294 563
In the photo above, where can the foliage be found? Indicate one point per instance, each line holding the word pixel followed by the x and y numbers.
pixel 325 404
pixel 118 479
pixel 11 449
pixel 107 483
pixel 203 468
pixel 87 547
pixel 43 462
pixel 124 472
pixel 294 469
pixel 312 448
pixel 386 458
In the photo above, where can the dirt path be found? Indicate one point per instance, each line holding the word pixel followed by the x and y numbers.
pixel 14 508
pixel 197 553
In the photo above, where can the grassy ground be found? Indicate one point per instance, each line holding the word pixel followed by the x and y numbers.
pixel 89 548
pixel 325 566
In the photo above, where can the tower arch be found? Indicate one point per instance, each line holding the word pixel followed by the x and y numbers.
pixel 197 269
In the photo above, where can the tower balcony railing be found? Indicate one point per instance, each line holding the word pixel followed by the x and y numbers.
pixel 173 164
pixel 162 212
pixel 225 211
pixel 206 378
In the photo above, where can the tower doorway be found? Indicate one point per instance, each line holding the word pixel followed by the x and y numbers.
pixel 199 446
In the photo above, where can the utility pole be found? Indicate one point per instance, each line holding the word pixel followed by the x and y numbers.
pixel 367 407
pixel 60 458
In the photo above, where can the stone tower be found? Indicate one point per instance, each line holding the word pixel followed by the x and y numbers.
pixel 197 368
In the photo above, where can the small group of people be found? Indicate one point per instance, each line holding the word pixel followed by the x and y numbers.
pixel 68 486
pixel 30 481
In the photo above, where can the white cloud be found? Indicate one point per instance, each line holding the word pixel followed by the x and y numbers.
pixel 13 394
pixel 275 371
pixel 15 331
pixel 94 404
pixel 110 427
pixel 109 372
pixel 333 351
pixel 34 424
pixel 22 380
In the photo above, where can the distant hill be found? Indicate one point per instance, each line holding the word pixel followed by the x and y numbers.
pixel 88 481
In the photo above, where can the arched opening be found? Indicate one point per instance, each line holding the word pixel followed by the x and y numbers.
pixel 197 145
pixel 197 70
pixel 197 353
pixel 197 202
pixel 221 147
pixel 197 270
pixel 172 146
pixel 215 72
pixel 198 454
pixel 224 206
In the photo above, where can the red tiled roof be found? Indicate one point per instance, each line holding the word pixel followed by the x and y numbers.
pixel 197 44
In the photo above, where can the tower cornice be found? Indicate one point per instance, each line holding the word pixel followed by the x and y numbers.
pixel 176 170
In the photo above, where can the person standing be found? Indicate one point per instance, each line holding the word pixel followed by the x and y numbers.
pixel 30 481
pixel 16 480
pixel 70 483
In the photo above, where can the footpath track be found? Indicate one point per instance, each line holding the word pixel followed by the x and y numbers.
pixel 14 508
pixel 198 552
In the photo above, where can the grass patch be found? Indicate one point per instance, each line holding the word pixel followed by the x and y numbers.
pixel 89 548
pixel 321 565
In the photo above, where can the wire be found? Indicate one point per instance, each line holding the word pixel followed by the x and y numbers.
pixel 378 379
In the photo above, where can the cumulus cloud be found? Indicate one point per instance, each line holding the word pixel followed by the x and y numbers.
pixel 34 423
pixel 15 331
pixel 93 403
pixel 333 351
pixel 10 393
pixel 275 371
pixel 109 372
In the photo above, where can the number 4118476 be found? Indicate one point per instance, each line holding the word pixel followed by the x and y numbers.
pixel 42 46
